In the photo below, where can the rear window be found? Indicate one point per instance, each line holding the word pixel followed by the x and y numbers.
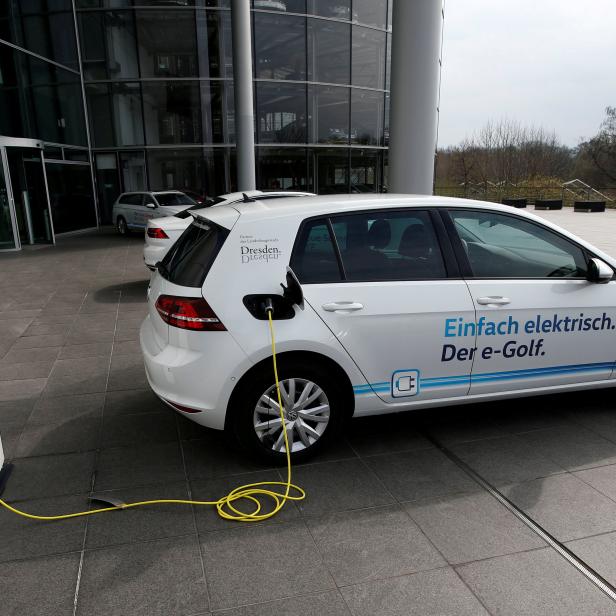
pixel 174 199
pixel 132 199
pixel 192 256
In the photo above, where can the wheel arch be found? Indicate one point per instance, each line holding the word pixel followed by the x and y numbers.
pixel 331 366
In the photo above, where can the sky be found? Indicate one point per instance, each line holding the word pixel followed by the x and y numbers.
pixel 542 63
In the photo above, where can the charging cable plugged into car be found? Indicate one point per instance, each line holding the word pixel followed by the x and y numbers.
pixel 266 307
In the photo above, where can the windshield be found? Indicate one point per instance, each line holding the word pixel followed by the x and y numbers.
pixel 166 199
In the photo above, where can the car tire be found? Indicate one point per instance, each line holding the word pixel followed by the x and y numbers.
pixel 121 226
pixel 245 416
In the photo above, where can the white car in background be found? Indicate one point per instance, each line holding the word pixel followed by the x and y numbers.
pixel 132 210
pixel 391 303
pixel 161 234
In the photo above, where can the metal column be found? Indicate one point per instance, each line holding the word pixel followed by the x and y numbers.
pixel 242 76
pixel 415 67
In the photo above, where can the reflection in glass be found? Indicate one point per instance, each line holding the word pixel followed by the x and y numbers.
pixel 370 12
pixel 70 196
pixel 365 171
pixel 108 185
pixel 7 237
pixel 339 9
pixel 329 51
pixel 214 44
pixel 212 111
pixel 280 46
pixel 288 6
pixel 132 167
pixel 332 171
pixel 216 171
pixel 282 169
pixel 108 45
pixel 172 112
pixel 386 127
pixel 368 67
pixel 115 114
pixel 176 169
pixel 329 114
pixel 281 113
pixel 367 117
pixel 46 28
pixel 166 51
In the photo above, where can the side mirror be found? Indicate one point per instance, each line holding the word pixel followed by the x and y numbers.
pixel 599 271
pixel 152 206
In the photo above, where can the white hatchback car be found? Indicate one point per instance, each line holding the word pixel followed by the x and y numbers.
pixel 160 234
pixel 400 303
pixel 132 210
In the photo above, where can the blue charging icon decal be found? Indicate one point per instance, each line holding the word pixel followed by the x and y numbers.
pixel 405 383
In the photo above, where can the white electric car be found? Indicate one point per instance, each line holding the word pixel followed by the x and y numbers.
pixel 399 303
pixel 132 210
pixel 160 234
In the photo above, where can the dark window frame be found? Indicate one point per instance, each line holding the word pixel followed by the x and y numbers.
pixel 448 256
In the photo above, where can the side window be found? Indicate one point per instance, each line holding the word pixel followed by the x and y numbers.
pixel 314 258
pixel 389 246
pixel 501 246
pixel 132 199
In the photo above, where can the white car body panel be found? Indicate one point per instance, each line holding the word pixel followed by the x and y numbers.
pixel 137 216
pixel 399 332
pixel 155 249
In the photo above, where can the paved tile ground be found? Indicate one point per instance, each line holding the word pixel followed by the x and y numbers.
pixel 391 527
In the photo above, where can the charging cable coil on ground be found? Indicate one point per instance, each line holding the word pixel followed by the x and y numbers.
pixel 227 506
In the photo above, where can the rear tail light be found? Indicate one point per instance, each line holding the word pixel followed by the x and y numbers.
pixel 157 233
pixel 188 313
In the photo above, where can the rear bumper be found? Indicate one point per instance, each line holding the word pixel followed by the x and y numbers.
pixel 200 379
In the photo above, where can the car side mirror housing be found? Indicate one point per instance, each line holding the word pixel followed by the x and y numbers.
pixel 152 206
pixel 599 271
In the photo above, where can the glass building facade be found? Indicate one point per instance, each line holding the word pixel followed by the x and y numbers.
pixel 148 86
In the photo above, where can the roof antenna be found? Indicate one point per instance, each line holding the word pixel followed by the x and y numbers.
pixel 248 199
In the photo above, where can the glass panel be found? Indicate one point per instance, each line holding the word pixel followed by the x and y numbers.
pixel 280 46
pixel 93 4
pixel 282 169
pixel 368 58
pixel 132 165
pixel 281 113
pixel 329 51
pixel 76 155
pixel 172 112
pixel 366 117
pixel 314 260
pixel 115 114
pixel 288 6
pixel 166 51
pixel 176 169
pixel 39 100
pixel 500 246
pixel 386 127
pixel 108 184
pixel 340 9
pixel 332 171
pixel 214 44
pixel 365 171
pixel 46 28
pixel 212 111
pixel 216 171
pixel 329 114
pixel 108 45
pixel 370 12
pixel 388 64
pixel 388 246
pixel 7 237
pixel 71 197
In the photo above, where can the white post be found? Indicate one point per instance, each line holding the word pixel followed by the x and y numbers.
pixel 415 68
pixel 242 78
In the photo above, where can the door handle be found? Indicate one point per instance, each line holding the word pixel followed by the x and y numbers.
pixel 493 300
pixel 342 306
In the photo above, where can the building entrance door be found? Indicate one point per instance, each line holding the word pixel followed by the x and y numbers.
pixel 25 215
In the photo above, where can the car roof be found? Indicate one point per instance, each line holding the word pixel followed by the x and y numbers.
pixel 335 204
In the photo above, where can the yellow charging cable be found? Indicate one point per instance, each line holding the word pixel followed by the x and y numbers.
pixel 226 506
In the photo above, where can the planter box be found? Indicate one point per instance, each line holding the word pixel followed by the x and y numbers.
pixel 548 204
pixel 589 206
pixel 519 203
